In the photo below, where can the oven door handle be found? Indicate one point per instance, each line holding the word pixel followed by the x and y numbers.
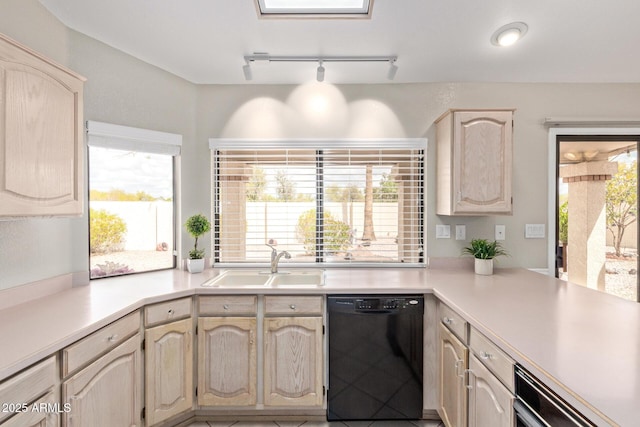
pixel 525 417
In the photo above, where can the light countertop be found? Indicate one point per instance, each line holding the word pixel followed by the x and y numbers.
pixel 582 343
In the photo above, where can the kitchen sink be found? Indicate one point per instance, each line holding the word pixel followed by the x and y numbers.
pixel 295 278
pixel 239 278
pixel 264 278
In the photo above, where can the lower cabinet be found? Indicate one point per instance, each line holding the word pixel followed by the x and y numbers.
pixel 293 361
pixel 227 361
pixel 453 391
pixel 168 370
pixel 260 352
pixel 475 382
pixel 32 397
pixel 490 402
pixel 108 392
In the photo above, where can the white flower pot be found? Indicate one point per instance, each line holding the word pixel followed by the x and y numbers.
pixel 484 266
pixel 195 265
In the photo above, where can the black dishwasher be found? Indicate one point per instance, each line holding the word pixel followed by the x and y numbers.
pixel 375 357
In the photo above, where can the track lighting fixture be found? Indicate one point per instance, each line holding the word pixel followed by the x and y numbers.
pixel 320 70
pixel 393 69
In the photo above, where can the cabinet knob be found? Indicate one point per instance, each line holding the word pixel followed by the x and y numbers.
pixel 226 306
pixel 447 321
pixel 485 356
pixel 170 312
pixel 292 306
pixel 112 338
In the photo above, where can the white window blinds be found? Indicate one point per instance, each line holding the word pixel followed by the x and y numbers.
pixel 322 201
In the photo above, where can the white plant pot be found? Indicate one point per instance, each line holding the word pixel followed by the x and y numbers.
pixel 195 265
pixel 484 266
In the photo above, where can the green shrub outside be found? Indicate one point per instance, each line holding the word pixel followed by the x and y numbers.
pixel 106 231
pixel 336 233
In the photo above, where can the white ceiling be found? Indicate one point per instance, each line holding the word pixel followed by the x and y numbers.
pixel 204 41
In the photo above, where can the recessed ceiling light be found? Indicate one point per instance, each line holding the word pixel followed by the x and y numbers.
pixel 313 8
pixel 509 34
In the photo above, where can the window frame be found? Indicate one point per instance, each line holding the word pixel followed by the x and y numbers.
pixel 319 145
pixel 119 137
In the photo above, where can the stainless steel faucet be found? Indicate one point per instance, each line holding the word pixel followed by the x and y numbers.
pixel 275 258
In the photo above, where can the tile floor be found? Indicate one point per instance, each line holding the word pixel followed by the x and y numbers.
pixel 318 424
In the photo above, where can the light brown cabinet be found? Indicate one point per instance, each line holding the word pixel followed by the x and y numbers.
pixel 293 361
pixel 490 402
pixel 227 361
pixel 474 161
pixel 475 376
pixel 41 143
pixel 453 355
pixel 107 392
pixel 227 350
pixel 168 370
pixel 23 395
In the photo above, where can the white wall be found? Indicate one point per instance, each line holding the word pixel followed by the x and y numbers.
pixel 120 89
pixel 124 90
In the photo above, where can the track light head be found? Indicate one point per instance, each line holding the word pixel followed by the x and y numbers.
pixel 393 69
pixel 246 69
pixel 320 72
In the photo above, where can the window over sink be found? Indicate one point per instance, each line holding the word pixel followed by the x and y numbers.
pixel 343 202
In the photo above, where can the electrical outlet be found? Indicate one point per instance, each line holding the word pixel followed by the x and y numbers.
pixel 443 231
pixel 500 232
pixel 461 232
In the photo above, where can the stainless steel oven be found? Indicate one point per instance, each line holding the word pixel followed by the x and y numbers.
pixel 538 406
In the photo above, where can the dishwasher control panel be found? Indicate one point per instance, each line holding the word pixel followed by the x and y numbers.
pixel 375 303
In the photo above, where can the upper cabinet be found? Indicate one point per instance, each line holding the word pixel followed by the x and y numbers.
pixel 474 160
pixel 41 135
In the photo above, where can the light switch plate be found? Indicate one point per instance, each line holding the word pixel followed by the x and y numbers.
pixel 500 232
pixel 443 231
pixel 461 232
pixel 534 231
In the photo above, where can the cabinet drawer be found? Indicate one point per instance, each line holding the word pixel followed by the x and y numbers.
pixel 101 341
pixel 167 311
pixel 26 386
pixel 289 305
pixel 228 305
pixel 453 321
pixel 492 357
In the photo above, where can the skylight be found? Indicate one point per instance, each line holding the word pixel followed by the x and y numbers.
pixel 306 8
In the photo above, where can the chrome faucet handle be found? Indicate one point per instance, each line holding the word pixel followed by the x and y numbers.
pixel 274 251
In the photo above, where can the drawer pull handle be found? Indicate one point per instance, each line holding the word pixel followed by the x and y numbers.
pixel 112 338
pixel 292 306
pixel 447 321
pixel 485 356
pixel 170 312
pixel 226 306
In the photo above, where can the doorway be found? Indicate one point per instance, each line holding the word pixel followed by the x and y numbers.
pixel 596 207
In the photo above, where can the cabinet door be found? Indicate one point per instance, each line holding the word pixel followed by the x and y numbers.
pixel 41 413
pixel 169 370
pixel 482 157
pixel 41 145
pixel 227 361
pixel 453 392
pixel 490 403
pixel 293 361
pixel 108 392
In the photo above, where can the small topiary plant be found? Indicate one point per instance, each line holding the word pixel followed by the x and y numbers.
pixel 106 231
pixel 197 225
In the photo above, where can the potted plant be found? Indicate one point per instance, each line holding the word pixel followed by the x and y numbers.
pixel 196 225
pixel 484 252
